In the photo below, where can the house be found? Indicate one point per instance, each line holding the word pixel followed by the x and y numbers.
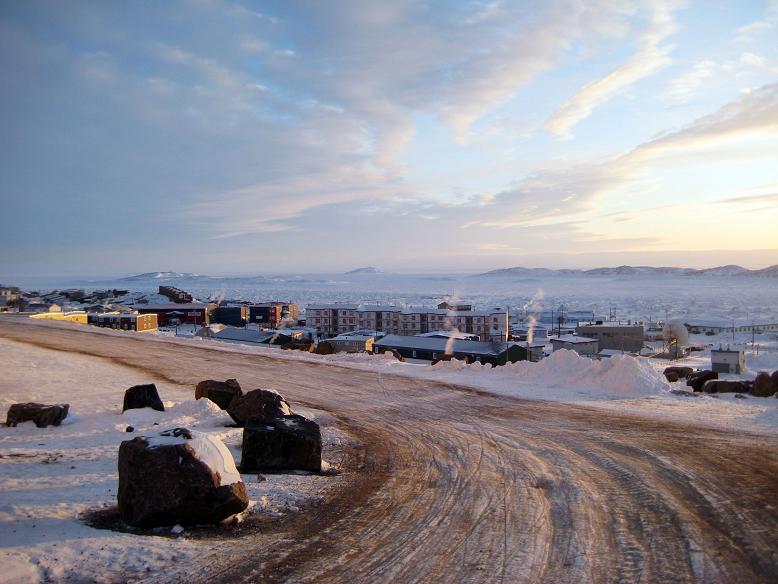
pixel 168 314
pixel 251 336
pixel 232 315
pixel 608 353
pixel 352 343
pixel 622 336
pixel 335 319
pixel 581 345
pixel 435 348
pixel 125 321
pixel 731 359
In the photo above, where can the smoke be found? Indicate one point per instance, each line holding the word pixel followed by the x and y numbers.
pixel 219 296
pixel 450 323
pixel 530 308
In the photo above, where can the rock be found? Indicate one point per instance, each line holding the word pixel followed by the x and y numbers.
pixel 721 386
pixel 129 429
pixel 262 403
pixel 178 477
pixel 763 385
pixel 675 373
pixel 42 414
pixel 697 379
pixel 288 443
pixel 219 392
pixel 142 396
pixel 740 396
pixel 683 393
pixel 325 348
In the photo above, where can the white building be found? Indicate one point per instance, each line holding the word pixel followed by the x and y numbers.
pixel 713 327
pixel 728 360
pixel 335 319
pixel 581 345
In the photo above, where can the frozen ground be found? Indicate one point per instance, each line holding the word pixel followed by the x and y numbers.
pixel 461 485
pixel 50 476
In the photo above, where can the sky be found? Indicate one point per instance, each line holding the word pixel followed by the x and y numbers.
pixel 230 136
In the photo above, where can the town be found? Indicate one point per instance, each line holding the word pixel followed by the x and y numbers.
pixel 697 351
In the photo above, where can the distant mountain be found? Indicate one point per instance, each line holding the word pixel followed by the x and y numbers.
pixel 730 270
pixel 771 272
pixel 365 270
pixel 159 276
pixel 721 271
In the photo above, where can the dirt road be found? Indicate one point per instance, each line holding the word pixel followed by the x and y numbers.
pixel 461 486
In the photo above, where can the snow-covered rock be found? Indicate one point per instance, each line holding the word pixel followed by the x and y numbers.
pixel 178 477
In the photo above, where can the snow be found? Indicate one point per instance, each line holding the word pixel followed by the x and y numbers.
pixel 207 449
pixel 50 477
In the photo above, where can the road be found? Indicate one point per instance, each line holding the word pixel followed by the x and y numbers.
pixel 457 485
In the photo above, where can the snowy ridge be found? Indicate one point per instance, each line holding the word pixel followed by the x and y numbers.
pixel 720 271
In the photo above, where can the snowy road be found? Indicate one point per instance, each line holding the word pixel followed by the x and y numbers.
pixel 462 486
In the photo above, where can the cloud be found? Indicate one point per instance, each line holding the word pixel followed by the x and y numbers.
pixel 684 86
pixel 650 58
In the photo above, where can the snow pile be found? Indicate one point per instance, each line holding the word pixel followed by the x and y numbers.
pixel 199 412
pixel 207 449
pixel 619 376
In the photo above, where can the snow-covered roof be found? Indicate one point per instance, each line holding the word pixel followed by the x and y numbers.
pixel 458 346
pixel 573 339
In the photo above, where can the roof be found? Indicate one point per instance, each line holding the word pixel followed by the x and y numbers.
pixel 173 306
pixel 610 324
pixel 352 337
pixel 245 335
pixel 573 339
pixel 610 352
pixel 439 345
pixel 728 349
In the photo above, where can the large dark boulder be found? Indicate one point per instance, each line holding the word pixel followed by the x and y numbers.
pixel 178 477
pixel 265 404
pixel 697 379
pixel 673 374
pixel 219 392
pixel 723 386
pixel 142 396
pixel 42 414
pixel 287 443
pixel 764 385
pixel 325 348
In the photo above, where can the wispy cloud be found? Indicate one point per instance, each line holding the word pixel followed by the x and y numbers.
pixel 652 56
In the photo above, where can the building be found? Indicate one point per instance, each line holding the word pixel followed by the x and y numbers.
pixel 232 315
pixel 335 319
pixel 728 360
pixel 175 294
pixel 171 314
pixel 714 327
pixel 581 345
pixel 352 343
pixel 74 316
pixel 125 321
pixel 434 348
pixel 274 314
pixel 251 336
pixel 622 336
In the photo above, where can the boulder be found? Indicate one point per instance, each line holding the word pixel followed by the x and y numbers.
pixel 178 477
pixel 142 396
pixel 325 348
pixel 219 392
pixel 764 386
pixel 675 373
pixel 697 379
pixel 265 404
pixel 42 414
pixel 288 443
pixel 721 386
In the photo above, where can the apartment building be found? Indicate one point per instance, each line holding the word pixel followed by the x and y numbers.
pixel 335 319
